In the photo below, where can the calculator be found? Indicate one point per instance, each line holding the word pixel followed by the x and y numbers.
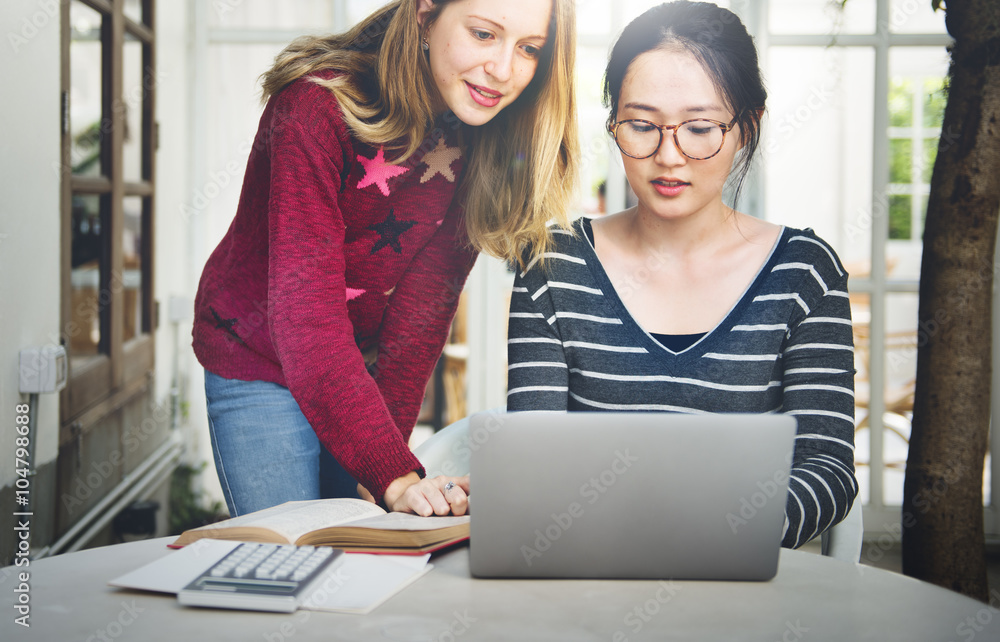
pixel 260 577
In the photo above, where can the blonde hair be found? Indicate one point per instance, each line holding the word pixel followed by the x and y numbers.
pixel 521 165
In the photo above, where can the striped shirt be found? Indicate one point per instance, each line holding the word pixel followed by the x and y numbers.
pixel 786 346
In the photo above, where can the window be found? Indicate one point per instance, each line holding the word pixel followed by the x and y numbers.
pixel 107 181
pixel 916 111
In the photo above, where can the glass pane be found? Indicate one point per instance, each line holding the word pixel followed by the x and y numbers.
pixel 861 314
pixel 900 380
pixel 133 263
pixel 133 10
pixel 916 76
pixel 930 155
pixel 305 15
pixel 903 255
pixel 915 16
pixel 86 76
pixel 900 217
pixel 900 103
pixel 824 17
pixel 819 124
pixel 89 237
pixel 935 97
pixel 900 160
pixel 132 104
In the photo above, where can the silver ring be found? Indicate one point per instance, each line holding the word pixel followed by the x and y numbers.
pixel 448 486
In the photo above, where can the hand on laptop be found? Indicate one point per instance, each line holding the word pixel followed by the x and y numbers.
pixel 410 494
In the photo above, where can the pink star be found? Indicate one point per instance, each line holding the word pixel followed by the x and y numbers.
pixel 353 294
pixel 378 172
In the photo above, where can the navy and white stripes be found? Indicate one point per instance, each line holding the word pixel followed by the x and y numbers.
pixel 786 346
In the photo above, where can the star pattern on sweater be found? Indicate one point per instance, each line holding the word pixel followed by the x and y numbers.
pixel 226 324
pixel 439 161
pixel 353 293
pixel 378 172
pixel 389 232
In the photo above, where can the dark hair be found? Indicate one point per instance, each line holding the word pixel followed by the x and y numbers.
pixel 719 41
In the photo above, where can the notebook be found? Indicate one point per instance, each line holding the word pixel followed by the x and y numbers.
pixel 628 495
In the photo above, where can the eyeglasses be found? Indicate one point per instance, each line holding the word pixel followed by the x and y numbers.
pixel 698 139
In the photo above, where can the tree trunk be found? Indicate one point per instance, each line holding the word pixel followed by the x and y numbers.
pixel 943 538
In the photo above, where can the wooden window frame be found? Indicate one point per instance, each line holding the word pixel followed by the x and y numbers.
pixel 105 381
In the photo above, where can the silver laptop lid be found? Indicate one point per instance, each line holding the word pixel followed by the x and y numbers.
pixel 628 495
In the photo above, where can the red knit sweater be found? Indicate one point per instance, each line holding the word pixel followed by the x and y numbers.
pixel 334 252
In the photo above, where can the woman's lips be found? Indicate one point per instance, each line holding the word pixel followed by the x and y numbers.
pixel 483 95
pixel 670 187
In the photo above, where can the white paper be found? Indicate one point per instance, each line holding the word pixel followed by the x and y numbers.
pixel 174 571
pixel 357 584
pixel 362 582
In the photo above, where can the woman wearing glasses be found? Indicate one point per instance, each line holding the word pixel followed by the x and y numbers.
pixel 682 303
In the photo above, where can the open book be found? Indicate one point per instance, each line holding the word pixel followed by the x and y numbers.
pixel 351 524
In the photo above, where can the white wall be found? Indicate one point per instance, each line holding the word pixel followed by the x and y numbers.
pixel 29 211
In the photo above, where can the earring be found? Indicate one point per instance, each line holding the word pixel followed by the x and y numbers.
pixel 425 45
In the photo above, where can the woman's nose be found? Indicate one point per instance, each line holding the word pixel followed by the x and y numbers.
pixel 669 154
pixel 501 65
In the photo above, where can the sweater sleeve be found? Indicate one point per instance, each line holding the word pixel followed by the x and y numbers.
pixel 818 388
pixel 418 319
pixel 537 372
pixel 307 309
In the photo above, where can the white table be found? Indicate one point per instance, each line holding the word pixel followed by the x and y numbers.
pixel 812 598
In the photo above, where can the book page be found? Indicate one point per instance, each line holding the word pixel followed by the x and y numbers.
pixel 409 522
pixel 294 519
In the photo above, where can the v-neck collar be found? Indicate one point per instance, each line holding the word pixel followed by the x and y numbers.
pixel 701 346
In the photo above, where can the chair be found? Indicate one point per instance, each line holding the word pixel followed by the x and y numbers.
pixel 843 541
pixel 447 452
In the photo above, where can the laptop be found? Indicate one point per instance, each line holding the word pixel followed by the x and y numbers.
pixel 628 495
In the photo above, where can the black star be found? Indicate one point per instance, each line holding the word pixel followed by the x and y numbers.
pixel 390 230
pixel 226 324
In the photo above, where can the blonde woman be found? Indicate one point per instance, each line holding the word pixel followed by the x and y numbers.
pixel 386 157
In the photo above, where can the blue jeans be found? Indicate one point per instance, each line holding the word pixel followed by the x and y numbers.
pixel 266 453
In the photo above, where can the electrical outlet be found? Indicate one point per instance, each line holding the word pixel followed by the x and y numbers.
pixel 43 369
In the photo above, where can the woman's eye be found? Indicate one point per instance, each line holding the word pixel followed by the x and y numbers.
pixel 532 50
pixel 701 131
pixel 640 128
pixel 481 35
